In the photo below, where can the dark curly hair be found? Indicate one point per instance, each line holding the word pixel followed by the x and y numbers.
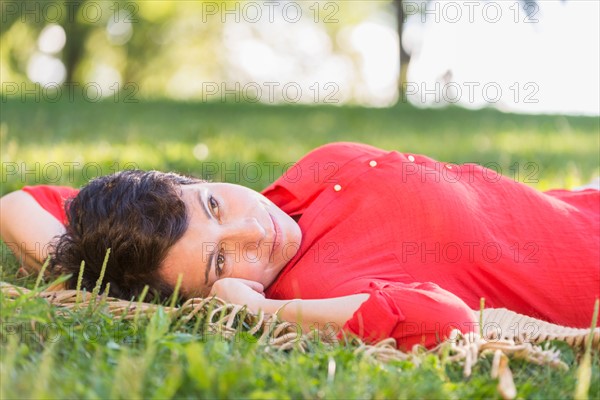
pixel 139 216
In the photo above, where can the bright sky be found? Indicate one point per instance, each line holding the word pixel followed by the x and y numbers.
pixel 552 59
pixel 543 58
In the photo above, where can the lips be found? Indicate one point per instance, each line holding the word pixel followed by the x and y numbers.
pixel 276 235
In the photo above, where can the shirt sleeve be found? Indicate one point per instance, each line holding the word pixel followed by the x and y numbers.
pixel 415 313
pixel 52 198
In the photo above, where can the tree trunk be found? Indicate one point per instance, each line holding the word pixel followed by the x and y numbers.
pixel 404 56
pixel 76 34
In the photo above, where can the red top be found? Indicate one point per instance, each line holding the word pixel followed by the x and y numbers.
pixel 427 240
pixel 52 198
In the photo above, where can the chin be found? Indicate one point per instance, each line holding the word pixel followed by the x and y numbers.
pixel 267 281
pixel 271 274
pixel 293 232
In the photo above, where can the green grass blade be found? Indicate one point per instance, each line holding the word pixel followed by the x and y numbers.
pixel 41 273
pixel 584 372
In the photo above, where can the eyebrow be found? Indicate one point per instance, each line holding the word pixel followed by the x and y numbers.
pixel 212 253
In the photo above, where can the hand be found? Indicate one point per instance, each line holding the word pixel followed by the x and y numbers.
pixel 240 291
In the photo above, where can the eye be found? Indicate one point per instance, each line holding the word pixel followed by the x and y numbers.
pixel 214 205
pixel 220 263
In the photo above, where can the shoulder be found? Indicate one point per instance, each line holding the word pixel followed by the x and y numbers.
pixel 51 198
pixel 59 192
pixel 325 163
pixel 27 227
pixel 322 163
pixel 340 152
pixel 303 181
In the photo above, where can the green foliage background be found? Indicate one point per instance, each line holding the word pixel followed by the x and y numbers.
pixel 49 353
pixel 86 139
pixel 46 353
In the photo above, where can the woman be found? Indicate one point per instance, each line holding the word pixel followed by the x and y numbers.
pixel 383 244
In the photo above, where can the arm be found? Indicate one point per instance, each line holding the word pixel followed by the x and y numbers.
pixel 27 229
pixel 315 313
pixel 307 313
pixel 413 313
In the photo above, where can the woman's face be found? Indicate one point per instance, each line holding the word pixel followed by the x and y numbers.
pixel 233 232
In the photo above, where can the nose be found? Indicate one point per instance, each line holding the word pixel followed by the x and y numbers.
pixel 246 231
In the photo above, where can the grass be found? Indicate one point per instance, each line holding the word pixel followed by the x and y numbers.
pixel 46 353
pixel 70 142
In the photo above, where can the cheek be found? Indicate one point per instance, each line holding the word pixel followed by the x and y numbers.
pixel 172 273
pixel 190 291
pixel 185 259
pixel 247 270
pixel 242 195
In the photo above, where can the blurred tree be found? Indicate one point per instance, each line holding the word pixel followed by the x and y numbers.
pixel 77 33
pixel 163 35
pixel 404 55
pixel 36 15
pixel 401 9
